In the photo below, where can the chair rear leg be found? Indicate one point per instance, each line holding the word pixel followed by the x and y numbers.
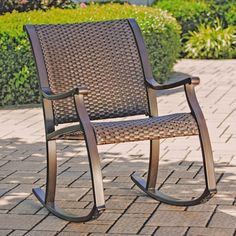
pixel 48 199
pixel 153 164
pixel 51 172
pixel 210 189
pixel 49 196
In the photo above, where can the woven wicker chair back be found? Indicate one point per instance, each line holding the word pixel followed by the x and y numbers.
pixel 103 56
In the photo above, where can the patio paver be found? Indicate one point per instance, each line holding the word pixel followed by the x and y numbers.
pixel 129 211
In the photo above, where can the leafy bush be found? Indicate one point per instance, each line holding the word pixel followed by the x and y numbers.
pixel 18 78
pixel 225 10
pixel 211 42
pixel 193 15
pixel 17 70
pixel 26 5
pixel 230 14
pixel 189 14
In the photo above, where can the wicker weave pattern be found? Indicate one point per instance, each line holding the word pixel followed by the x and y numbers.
pixel 146 129
pixel 174 125
pixel 102 56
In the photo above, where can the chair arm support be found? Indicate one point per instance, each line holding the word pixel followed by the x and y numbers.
pixel 91 143
pixel 189 80
pixel 49 95
pixel 83 114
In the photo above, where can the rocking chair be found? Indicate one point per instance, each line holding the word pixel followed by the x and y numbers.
pixel 99 70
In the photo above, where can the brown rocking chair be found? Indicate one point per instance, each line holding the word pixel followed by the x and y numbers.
pixel 99 70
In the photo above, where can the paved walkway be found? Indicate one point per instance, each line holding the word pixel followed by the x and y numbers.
pixel 129 211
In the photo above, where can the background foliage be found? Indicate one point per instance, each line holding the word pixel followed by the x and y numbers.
pixel 200 18
pixel 27 5
pixel 18 83
pixel 210 42
pixel 189 14
pixel 208 31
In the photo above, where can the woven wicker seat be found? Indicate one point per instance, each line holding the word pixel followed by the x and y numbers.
pixel 91 72
pixel 169 126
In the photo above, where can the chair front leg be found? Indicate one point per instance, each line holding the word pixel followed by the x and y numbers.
pixel 94 159
pixel 48 199
pixel 206 149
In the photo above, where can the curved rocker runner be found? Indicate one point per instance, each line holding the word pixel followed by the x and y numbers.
pixel 93 71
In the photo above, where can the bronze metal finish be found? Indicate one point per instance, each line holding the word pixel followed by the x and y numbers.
pixel 99 70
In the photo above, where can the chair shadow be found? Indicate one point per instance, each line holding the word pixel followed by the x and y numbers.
pixel 23 166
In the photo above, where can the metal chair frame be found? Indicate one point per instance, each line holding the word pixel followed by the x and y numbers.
pixel 148 186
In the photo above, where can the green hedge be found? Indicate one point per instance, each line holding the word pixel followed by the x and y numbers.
pixel 18 83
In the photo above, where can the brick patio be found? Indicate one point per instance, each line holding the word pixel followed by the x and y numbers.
pixel 129 211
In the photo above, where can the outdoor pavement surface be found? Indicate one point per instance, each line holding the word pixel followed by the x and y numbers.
pixel 128 210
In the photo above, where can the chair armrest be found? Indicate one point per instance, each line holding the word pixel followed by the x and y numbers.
pixel 189 80
pixel 49 95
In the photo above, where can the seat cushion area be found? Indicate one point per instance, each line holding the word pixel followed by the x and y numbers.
pixel 168 126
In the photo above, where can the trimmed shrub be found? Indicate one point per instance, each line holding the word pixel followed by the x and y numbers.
pixel 211 42
pixel 18 81
pixel 18 84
